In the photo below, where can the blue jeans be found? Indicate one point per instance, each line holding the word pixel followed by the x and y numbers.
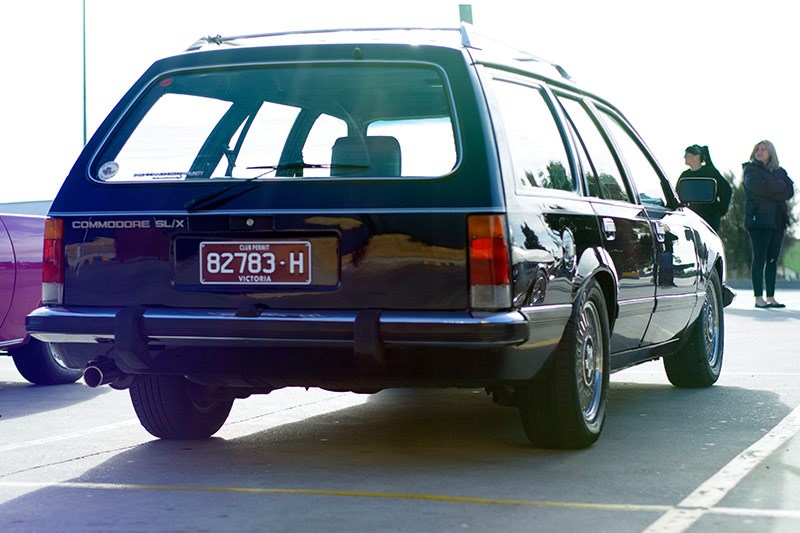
pixel 766 245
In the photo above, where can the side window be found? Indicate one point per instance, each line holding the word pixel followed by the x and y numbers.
pixel 534 140
pixel 259 141
pixel 646 179
pixel 426 144
pixel 603 176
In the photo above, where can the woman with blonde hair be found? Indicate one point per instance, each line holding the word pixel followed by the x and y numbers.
pixel 767 187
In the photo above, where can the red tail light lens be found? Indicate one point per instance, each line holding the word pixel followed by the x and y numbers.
pixel 53 261
pixel 489 265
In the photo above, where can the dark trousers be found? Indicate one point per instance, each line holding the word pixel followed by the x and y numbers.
pixel 766 244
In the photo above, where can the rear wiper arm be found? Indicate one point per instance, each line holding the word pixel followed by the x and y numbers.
pixel 301 166
pixel 223 196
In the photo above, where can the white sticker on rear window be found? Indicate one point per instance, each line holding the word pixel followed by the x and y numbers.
pixel 108 170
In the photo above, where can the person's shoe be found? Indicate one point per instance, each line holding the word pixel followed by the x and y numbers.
pixel 763 306
pixel 776 305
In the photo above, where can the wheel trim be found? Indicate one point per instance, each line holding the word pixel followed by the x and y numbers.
pixel 589 356
pixel 710 324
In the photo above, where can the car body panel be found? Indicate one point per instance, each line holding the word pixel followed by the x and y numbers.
pixel 20 274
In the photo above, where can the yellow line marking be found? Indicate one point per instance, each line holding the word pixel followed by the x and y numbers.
pixel 344 493
pixel 693 513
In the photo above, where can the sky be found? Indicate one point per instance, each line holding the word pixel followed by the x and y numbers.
pixel 719 73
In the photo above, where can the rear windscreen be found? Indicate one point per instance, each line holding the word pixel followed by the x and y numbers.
pixel 297 121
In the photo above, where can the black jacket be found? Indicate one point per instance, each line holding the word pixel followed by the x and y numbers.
pixel 766 192
pixel 711 212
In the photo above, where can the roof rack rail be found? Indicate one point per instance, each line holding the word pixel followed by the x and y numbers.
pixel 470 38
pixel 220 40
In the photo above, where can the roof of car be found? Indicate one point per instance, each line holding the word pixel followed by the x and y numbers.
pixel 461 37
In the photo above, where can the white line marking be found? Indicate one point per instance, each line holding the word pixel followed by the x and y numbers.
pixel 711 492
pixel 66 436
pixel 234 428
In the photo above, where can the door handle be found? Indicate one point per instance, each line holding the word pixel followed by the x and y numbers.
pixel 609 229
pixel 660 231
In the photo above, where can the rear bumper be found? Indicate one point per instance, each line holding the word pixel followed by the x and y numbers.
pixel 343 349
pixel 248 327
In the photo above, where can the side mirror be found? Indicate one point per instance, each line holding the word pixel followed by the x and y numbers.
pixel 697 190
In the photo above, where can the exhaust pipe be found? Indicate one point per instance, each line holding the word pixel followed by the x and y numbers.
pixel 101 373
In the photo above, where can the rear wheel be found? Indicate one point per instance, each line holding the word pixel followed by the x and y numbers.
pixel 172 407
pixel 699 362
pixel 40 363
pixel 566 409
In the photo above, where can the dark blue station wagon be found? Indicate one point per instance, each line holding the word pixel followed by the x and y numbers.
pixel 364 209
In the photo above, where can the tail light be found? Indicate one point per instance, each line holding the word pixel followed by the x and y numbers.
pixel 53 262
pixel 489 265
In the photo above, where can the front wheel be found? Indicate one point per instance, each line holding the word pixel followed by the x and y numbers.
pixel 172 407
pixel 566 409
pixel 699 362
pixel 40 363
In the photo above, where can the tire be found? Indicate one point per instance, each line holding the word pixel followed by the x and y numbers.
pixel 567 408
pixel 699 362
pixel 40 363
pixel 172 407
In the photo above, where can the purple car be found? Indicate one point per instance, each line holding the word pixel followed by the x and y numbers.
pixel 21 238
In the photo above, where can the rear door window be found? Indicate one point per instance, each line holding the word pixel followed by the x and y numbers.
pixel 601 172
pixel 641 171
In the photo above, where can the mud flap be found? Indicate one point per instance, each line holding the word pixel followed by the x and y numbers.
pixel 129 344
pixel 728 295
pixel 369 352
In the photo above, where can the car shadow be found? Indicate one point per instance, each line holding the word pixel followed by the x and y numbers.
pixel 20 398
pixel 766 315
pixel 452 442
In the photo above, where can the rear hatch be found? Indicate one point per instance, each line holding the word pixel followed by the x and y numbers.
pixel 322 178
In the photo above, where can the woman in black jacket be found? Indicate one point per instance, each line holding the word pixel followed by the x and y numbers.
pixel 698 159
pixel 766 187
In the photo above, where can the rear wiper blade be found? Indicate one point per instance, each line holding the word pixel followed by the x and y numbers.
pixel 301 165
pixel 223 196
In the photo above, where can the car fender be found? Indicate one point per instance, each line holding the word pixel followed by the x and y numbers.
pixel 596 264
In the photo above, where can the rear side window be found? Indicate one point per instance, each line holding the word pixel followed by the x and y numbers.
pixel 289 121
pixel 534 140
pixel 426 143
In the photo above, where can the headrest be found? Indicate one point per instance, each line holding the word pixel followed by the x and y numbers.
pixel 366 156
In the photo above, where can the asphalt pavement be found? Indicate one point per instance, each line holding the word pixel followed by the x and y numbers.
pixel 726 458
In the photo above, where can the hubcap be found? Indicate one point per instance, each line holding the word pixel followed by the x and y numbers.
pixel 711 326
pixel 589 361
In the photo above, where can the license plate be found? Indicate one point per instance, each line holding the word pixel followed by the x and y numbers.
pixel 255 263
